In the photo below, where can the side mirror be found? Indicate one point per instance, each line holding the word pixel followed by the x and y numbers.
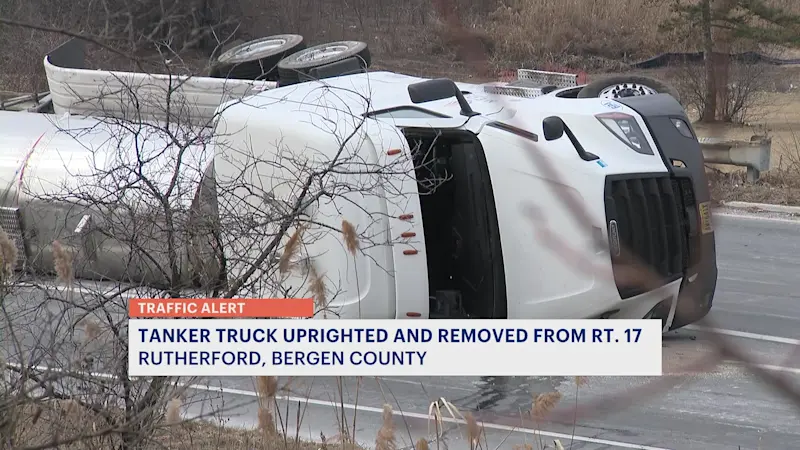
pixel 553 128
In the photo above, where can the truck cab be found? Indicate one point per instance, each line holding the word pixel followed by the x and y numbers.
pixel 476 214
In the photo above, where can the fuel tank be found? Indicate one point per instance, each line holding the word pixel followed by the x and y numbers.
pixel 110 194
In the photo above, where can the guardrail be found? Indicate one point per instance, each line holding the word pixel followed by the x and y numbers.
pixel 753 154
pixel 14 101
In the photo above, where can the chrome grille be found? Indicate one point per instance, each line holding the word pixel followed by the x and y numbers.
pixel 11 222
pixel 649 214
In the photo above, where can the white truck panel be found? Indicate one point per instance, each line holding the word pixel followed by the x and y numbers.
pixel 260 163
pixel 526 185
pixel 111 93
pixel 409 271
pixel 50 155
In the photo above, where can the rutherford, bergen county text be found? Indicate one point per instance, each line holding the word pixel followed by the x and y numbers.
pixel 378 335
pixel 278 358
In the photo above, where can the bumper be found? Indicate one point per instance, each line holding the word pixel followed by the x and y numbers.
pixel 657 217
pixel 697 292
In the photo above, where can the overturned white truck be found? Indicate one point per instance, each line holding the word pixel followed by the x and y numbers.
pixel 437 177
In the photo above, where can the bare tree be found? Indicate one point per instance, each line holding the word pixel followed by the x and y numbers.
pixel 722 26
pixel 741 100
pixel 136 25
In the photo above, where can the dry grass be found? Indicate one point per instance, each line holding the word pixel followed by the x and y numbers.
pixel 386 439
pixel 779 187
pixel 544 403
pixel 8 256
pixel 266 387
pixel 291 249
pixel 474 431
pixel 63 262
pixel 350 236
pixel 597 31
pixel 78 428
pixel 593 34
pixel 67 421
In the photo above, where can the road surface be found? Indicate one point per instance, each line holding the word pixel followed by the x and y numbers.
pixel 727 408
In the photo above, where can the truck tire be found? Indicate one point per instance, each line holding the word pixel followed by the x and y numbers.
pixel 256 59
pixel 626 86
pixel 291 67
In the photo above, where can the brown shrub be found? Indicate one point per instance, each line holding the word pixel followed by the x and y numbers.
pixel 584 34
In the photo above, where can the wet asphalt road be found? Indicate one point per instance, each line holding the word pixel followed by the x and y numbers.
pixel 726 408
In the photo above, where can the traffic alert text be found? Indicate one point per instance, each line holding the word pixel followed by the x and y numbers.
pixel 191 308
pixel 298 347
pixel 220 308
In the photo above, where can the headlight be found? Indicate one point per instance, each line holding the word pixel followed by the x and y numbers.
pixel 624 126
pixel 683 128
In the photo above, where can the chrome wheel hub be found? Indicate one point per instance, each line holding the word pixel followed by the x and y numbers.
pixel 626 90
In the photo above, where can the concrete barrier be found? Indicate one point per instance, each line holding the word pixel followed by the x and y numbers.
pixel 753 154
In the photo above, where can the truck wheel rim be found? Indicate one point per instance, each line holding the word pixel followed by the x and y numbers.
pixel 626 90
pixel 320 53
pixel 259 46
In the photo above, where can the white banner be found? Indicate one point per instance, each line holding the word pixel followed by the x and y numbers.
pixel 289 347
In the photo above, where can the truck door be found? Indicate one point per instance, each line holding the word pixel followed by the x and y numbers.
pixel 459 235
pixel 406 229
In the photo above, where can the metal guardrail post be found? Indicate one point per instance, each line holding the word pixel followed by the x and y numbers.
pixel 753 154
